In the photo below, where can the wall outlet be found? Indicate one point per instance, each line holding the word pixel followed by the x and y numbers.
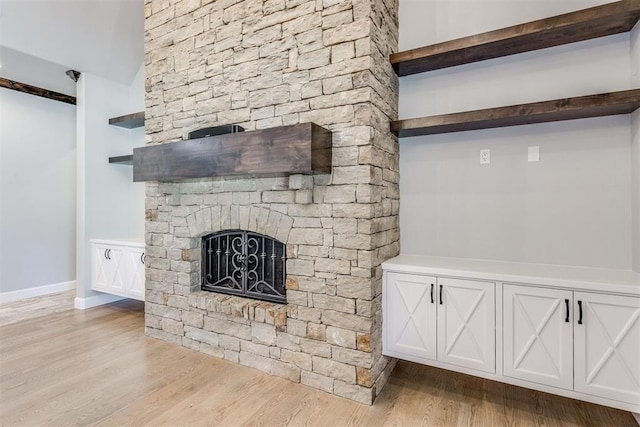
pixel 533 154
pixel 485 156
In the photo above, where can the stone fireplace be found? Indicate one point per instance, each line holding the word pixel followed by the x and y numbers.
pixel 262 64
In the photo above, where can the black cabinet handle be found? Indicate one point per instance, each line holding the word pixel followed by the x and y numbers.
pixel 579 312
pixel 142 258
pixel 109 254
pixel 432 293
pixel 566 302
pixel 440 294
pixel 105 254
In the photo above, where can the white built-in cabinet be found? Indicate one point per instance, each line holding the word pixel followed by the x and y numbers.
pixel 118 268
pixel 580 341
pixel 573 338
pixel 443 319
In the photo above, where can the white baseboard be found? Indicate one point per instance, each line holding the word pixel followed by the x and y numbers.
pixel 95 300
pixel 37 291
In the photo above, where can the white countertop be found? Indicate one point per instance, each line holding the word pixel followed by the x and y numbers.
pixel 580 278
pixel 127 241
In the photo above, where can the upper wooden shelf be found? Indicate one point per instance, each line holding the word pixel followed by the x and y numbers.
pixel 130 121
pixel 604 104
pixel 599 21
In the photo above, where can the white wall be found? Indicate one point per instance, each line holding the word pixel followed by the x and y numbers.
pixel 573 207
pixel 35 71
pixel 110 205
pixel 136 103
pixel 37 194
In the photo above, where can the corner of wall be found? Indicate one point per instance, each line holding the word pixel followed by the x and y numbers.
pixel 81 285
pixel 635 152
pixel 635 189
pixel 108 203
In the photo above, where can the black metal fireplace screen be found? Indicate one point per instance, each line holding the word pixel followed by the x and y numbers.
pixel 244 263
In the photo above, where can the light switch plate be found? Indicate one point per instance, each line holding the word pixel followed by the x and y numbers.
pixel 533 154
pixel 485 156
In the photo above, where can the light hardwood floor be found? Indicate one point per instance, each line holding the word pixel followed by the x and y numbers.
pixel 28 308
pixel 96 367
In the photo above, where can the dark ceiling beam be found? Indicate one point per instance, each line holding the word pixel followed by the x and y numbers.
pixel 38 91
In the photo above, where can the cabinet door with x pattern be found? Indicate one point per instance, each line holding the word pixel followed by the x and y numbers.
pixel 607 346
pixel 538 335
pixel 108 268
pixel 409 317
pixel 466 323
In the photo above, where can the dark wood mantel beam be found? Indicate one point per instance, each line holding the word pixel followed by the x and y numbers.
pixel 302 148
pixel 38 91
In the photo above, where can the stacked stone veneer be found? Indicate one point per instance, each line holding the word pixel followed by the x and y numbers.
pixel 263 64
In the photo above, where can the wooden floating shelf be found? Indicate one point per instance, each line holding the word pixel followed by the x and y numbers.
pixel 604 104
pixel 301 148
pixel 122 160
pixel 130 121
pixel 599 21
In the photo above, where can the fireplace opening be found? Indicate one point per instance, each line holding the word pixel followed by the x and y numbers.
pixel 244 263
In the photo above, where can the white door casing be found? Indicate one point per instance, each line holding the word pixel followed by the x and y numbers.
pixel 466 323
pixel 607 346
pixel 538 335
pixel 410 316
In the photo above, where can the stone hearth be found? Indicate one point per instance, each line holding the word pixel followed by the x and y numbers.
pixel 262 64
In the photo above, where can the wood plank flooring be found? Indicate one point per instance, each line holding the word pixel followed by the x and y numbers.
pixel 28 308
pixel 96 367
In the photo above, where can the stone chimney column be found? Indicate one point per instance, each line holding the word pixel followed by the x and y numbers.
pixel 262 64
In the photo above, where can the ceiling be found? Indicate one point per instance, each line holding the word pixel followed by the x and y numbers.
pixel 101 37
